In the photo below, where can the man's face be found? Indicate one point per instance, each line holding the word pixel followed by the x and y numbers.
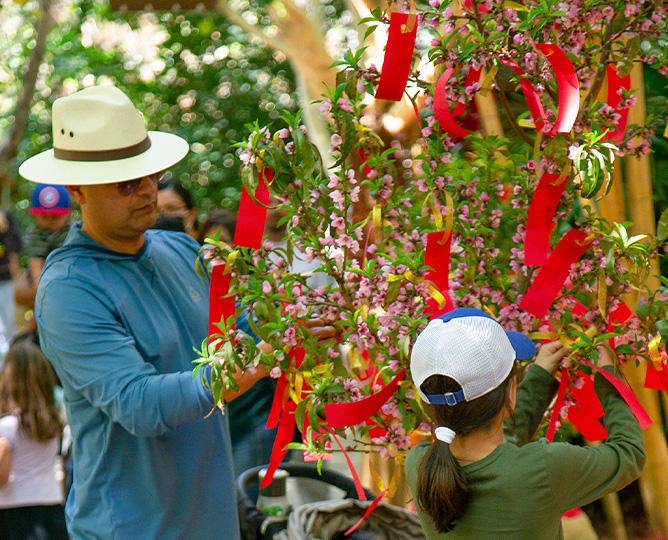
pixel 51 223
pixel 114 217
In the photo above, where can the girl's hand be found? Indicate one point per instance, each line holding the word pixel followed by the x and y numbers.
pixel 550 355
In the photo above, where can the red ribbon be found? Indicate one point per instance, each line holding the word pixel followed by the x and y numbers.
pixel 437 255
pixel 615 82
pixel 531 96
pixel 540 219
pixel 588 410
pixel 563 384
pixel 356 479
pixel 441 110
pixel 551 277
pixel 588 426
pixel 398 58
pixel 252 217
pixel 473 76
pixel 656 379
pixel 631 400
pixel 280 397
pixel 569 87
pixel 482 9
pixel 371 508
pixel 286 429
pixel 340 415
pixel 620 314
pixel 221 306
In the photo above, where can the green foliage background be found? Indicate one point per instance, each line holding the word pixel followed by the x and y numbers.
pixel 230 79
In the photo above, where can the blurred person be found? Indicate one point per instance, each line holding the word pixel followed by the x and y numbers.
pixel 176 209
pixel 218 220
pixel 31 501
pixel 50 206
pixel 119 309
pixel 10 248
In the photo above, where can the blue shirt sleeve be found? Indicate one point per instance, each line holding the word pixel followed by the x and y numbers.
pixel 96 358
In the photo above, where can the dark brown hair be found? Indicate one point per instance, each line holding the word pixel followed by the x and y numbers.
pixel 443 489
pixel 27 381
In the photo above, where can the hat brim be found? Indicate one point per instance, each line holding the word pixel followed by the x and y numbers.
pixel 524 347
pixel 166 150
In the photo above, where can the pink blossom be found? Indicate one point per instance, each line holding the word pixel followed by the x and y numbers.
pixel 275 372
pixel 266 287
pixel 283 133
pixel 325 106
pixel 336 141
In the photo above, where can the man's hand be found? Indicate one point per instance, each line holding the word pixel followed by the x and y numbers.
pixel 246 380
pixel 321 330
pixel 550 355
pixel 604 357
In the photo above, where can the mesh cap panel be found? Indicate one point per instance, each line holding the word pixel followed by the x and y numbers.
pixel 474 351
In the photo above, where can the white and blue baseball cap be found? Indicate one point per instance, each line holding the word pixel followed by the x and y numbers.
pixel 472 348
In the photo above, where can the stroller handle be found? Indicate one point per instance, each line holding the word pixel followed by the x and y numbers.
pixel 301 470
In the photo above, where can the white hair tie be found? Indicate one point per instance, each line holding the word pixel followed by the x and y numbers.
pixel 444 434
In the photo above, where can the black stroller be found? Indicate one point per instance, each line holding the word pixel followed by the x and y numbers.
pixel 322 519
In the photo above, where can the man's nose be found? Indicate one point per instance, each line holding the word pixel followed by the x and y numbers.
pixel 149 185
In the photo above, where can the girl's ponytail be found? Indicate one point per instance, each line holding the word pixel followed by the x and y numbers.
pixel 443 489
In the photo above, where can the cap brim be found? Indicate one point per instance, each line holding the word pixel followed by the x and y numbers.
pixel 166 150
pixel 49 211
pixel 524 347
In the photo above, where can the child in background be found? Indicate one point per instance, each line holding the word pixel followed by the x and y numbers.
pixel 31 502
pixel 473 484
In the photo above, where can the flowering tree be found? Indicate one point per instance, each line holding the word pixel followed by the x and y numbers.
pixel 454 224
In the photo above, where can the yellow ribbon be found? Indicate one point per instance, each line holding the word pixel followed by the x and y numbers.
pixel 602 294
pixel 377 217
pixel 654 354
pixel 410 21
pixel 229 263
pixel 412 278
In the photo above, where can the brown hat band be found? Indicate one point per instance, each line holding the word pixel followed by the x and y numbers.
pixel 103 155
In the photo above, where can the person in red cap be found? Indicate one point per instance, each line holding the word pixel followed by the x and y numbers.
pixel 51 208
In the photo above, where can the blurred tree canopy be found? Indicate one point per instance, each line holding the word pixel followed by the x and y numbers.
pixel 194 74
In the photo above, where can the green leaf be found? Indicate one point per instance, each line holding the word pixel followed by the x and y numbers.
pixel 348 134
pixel 662 227
pixel 662 327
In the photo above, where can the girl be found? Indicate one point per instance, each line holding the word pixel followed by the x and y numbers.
pixel 470 483
pixel 31 501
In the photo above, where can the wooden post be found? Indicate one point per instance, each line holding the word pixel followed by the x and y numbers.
pixel 641 213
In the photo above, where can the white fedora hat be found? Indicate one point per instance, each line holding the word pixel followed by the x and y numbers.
pixel 99 138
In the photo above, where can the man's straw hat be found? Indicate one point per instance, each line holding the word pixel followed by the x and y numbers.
pixel 99 138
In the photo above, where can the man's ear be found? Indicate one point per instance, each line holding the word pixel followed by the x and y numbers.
pixel 76 193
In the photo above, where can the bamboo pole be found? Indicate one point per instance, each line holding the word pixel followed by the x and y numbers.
pixel 654 487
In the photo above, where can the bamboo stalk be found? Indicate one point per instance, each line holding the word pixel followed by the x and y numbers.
pixel 641 212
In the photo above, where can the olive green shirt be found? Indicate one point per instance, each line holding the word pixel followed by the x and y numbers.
pixel 522 489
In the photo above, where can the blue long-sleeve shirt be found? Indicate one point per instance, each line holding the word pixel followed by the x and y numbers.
pixel 120 331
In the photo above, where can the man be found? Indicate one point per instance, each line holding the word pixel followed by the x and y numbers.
pixel 50 206
pixel 119 310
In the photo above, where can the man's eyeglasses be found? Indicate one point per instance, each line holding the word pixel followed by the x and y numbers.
pixel 128 187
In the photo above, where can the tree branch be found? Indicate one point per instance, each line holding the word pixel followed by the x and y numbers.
pixel 15 135
pixel 251 29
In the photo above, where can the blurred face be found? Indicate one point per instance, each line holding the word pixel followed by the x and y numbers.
pixel 171 205
pixel 117 215
pixel 51 223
